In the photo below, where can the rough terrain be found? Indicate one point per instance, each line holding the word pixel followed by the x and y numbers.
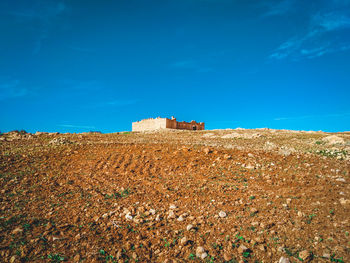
pixel 177 196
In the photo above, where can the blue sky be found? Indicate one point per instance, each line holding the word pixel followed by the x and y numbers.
pixel 75 66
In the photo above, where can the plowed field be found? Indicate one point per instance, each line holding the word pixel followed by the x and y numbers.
pixel 210 196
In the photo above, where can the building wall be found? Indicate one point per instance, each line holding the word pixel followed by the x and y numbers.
pixel 190 125
pixel 165 123
pixel 149 124
pixel 171 123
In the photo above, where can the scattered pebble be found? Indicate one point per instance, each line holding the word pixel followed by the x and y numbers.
pixel 152 211
pixel 340 179
pixel 326 255
pixel 17 230
pixel 180 218
pixel 183 241
pixel 284 260
pixel 207 150
pixel 305 255
pixel 227 257
pixel 262 247
pixel 254 210
pixel 227 157
pixel 242 249
pixel 128 216
pixel 200 252
pixel 344 201
pixel 189 227
pixel 76 258
pixel 222 214
pixel 171 214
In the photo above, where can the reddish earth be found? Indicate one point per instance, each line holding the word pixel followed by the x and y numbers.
pixel 181 196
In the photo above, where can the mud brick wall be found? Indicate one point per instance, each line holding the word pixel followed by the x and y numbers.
pixel 165 123
pixel 190 125
pixel 171 124
pixel 149 124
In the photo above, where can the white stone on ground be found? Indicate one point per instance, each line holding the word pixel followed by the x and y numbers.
pixel 189 227
pixel 222 214
pixel 284 260
pixel 200 252
pixel 128 216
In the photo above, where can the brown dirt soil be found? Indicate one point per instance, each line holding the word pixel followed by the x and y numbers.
pixel 241 195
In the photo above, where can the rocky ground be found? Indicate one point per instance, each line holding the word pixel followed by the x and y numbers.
pixel 178 196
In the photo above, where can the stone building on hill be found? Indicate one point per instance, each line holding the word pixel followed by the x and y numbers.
pixel 165 123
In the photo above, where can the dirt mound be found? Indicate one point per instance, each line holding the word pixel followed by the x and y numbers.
pixel 208 135
pixel 16 135
pixel 333 139
pixel 60 141
pixel 239 135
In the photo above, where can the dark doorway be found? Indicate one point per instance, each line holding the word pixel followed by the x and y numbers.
pixel 194 128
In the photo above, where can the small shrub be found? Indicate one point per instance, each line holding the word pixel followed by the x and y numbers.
pixel 333 259
pixel 22 132
pixel 246 254
pixel 333 153
pixel 192 256
pixel 55 257
pixel 125 192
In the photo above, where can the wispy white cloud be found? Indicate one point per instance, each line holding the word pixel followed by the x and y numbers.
pixel 331 21
pixel 76 126
pixel 301 47
pixel 326 26
pixel 321 38
pixel 12 89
